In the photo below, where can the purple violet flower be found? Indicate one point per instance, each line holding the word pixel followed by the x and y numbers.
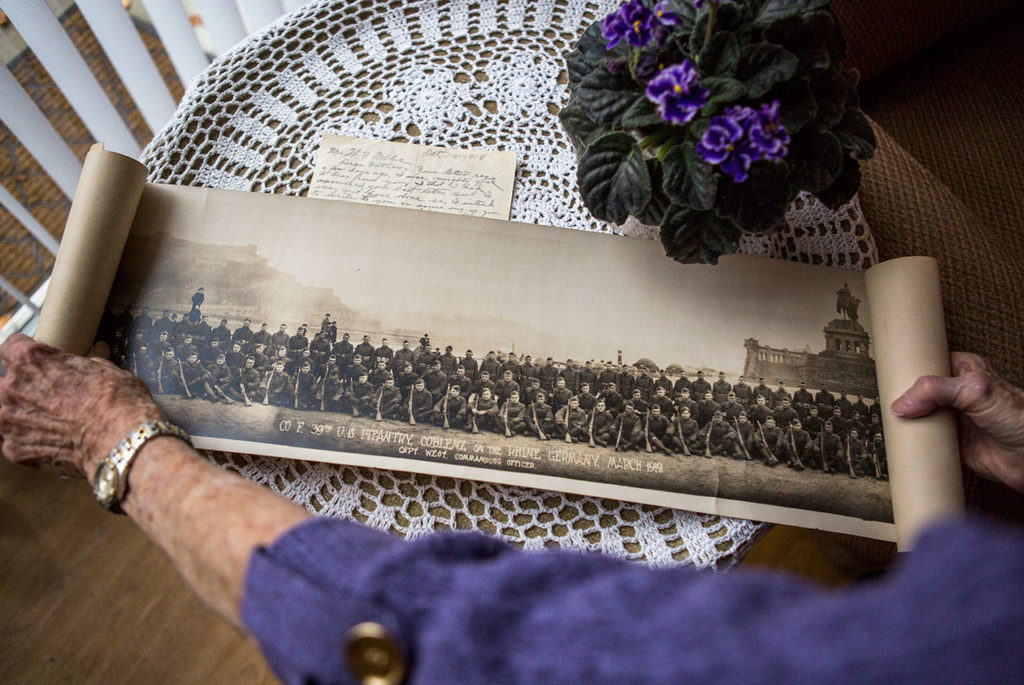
pixel 742 136
pixel 632 22
pixel 767 134
pixel 677 91
pixel 663 16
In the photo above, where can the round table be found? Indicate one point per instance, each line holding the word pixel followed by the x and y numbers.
pixel 486 74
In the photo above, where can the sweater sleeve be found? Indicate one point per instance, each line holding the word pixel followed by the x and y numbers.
pixel 466 608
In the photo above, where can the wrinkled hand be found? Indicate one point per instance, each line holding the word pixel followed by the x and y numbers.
pixel 64 412
pixel 991 416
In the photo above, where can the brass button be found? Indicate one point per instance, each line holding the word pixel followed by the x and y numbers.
pixel 373 655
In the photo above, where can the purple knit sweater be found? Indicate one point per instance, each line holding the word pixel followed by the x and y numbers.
pixel 470 609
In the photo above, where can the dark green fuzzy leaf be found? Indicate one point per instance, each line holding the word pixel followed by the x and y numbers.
pixel 845 187
pixel 762 65
pixel 606 96
pixel 724 90
pixel 773 10
pixel 758 205
pixel 613 179
pixel 590 53
pixel 806 36
pixel 730 17
pixel 815 160
pixel 797 105
pixel 693 237
pixel 855 134
pixel 654 212
pixel 577 124
pixel 689 180
pixel 830 93
pixel 641 113
pixel 720 56
pixel 686 12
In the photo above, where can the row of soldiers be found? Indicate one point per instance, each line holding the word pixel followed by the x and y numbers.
pixel 544 400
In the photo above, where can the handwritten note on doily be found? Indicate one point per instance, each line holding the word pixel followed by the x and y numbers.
pixel 437 179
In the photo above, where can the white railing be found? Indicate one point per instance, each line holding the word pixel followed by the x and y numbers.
pixel 225 21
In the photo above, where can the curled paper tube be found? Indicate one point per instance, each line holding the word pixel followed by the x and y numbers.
pixel 910 341
pixel 90 249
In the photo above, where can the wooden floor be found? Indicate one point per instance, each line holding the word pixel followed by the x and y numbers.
pixel 86 598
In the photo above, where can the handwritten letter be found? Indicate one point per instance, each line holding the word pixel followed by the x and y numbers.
pixel 437 179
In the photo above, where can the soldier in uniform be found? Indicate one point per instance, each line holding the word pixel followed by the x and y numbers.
pixel 483 383
pixel 202 333
pixel 813 424
pixel 626 380
pixel 305 387
pixel 331 386
pixel 845 405
pixel 683 401
pixel 861 406
pixel 363 396
pixel 840 425
pixel 762 390
pixel 186 348
pixel 656 426
pixel 629 434
pixel 491 365
pixel 449 362
pixel 744 433
pixel 281 338
pixel 766 442
pixel 343 350
pixel 297 343
pixel 212 351
pixel 485 411
pixel 571 376
pixel 780 394
pixel 222 333
pixel 663 401
pixel 784 413
pixel 243 335
pixel 612 399
pixel 744 393
pixel 365 349
pixel 319 349
pixel 197 301
pixel 222 380
pixel 561 395
pixel 700 386
pixel 236 357
pixel 355 369
pixel 513 415
pixel 425 358
pixel 796 445
pixel 195 379
pixel 261 362
pixel 168 373
pixel 587 399
pixel 874 427
pixel 389 400
pixel 589 375
pixel 803 401
pixel 262 336
pixel 706 409
pixel 547 374
pixel 825 401
pixel 540 419
pixel 402 357
pixel 571 420
pixel 608 375
pixel 832 450
pixel 380 374
pixel 877 447
pixel 277 386
pixel 760 411
pixel 420 402
pixel 470 365
pixel 637 402
pixel 731 407
pixel 506 386
pixel 682 383
pixel 436 380
pixel 527 371
pixel 602 424
pixel 249 381
pixel 857 459
pixel 452 405
pixel 405 379
pixel 462 380
pixel 164 323
pixel 513 365
pixel 663 381
pixel 384 352
pixel 721 389
pixel 857 424
pixel 722 439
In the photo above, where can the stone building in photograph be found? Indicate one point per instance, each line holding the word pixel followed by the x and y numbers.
pixel 844 364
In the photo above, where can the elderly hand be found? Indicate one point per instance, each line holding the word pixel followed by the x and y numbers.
pixel 64 412
pixel 991 416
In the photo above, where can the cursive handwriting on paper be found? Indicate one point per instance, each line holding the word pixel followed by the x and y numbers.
pixel 470 182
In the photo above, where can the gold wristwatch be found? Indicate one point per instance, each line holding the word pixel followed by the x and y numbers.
pixel 111 481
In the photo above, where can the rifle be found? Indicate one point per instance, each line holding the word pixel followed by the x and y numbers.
pixel 222 394
pixel 682 438
pixel 476 401
pixel 323 390
pixel 266 395
pixel 159 375
pixel 849 460
pixel 618 437
pixel 380 396
pixel 540 432
pixel 768 449
pixel 184 383
pixel 739 435
pixel 824 458
pixel 295 402
pixel 707 439
pixel 412 419
pixel 647 432
pixel 245 396
pixel 593 413
pixel 444 408
pixel 508 433
pixel 792 443
pixel 352 394
pixel 135 366
pixel 874 457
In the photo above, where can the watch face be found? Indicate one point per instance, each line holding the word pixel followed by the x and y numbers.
pixel 105 483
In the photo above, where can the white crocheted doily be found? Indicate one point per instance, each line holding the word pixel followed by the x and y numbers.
pixel 483 74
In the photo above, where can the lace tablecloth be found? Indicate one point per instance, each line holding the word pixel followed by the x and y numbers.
pixel 484 74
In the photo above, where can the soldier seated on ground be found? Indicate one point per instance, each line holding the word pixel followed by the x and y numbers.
pixel 420 403
pixel 277 388
pixel 513 415
pixel 451 407
pixel 540 419
pixel 571 421
pixel 766 442
pixel 602 424
pixel 484 412
pixel 796 445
